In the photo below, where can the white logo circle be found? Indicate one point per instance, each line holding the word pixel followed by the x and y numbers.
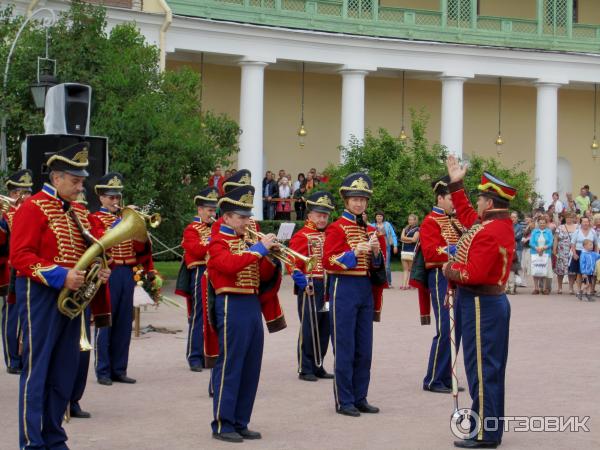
pixel 461 422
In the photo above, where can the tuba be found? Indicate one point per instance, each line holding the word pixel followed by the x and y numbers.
pixel 132 226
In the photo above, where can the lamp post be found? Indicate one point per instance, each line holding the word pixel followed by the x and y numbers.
pixel 46 23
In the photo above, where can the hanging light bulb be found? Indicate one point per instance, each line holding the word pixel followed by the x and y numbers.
pixel 301 135
pixel 499 140
pixel 302 130
pixel 595 146
pixel 403 135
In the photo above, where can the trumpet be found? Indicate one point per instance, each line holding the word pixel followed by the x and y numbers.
pixel 153 220
pixel 285 254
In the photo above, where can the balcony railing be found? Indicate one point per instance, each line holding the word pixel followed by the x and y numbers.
pixel 366 17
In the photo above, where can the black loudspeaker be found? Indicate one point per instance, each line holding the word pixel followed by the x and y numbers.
pixel 39 147
pixel 68 109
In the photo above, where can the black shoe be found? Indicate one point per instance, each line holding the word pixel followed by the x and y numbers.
pixel 105 381
pixel 439 390
pixel 80 414
pixel 13 371
pixel 249 434
pixel 348 411
pixel 324 375
pixel 196 368
pixel 228 437
pixel 307 377
pixel 460 389
pixel 366 408
pixel 123 379
pixel 472 443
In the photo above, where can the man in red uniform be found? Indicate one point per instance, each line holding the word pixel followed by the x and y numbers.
pixel 269 286
pixel 439 235
pixel 481 268
pixel 310 288
pixel 196 237
pixel 235 272
pixel 354 259
pixel 47 242
pixel 112 344
pixel 19 187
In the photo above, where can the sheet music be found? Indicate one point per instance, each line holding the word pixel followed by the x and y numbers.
pixel 285 232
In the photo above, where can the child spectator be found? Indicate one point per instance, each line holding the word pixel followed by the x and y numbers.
pixel 587 265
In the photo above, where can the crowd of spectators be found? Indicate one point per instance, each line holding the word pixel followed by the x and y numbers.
pixel 282 196
pixel 562 240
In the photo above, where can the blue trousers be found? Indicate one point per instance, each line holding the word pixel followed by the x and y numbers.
pixel 351 320
pixel 306 358
pixel 50 361
pixel 195 343
pixel 82 369
pixel 112 343
pixel 11 327
pixel 486 322
pixel 237 371
pixel 439 369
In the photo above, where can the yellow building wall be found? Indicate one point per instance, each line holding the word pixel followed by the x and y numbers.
pixel 383 110
pixel 431 5
pixel 589 11
pixel 523 9
pixel 152 6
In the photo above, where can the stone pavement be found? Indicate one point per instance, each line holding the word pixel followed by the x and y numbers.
pixel 553 369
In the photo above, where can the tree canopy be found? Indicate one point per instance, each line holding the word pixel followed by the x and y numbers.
pixel 156 129
pixel 402 172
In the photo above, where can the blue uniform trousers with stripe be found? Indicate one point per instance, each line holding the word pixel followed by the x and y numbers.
pixel 11 327
pixel 112 343
pixel 195 343
pixel 82 369
pixel 306 358
pixel 486 322
pixel 237 371
pixel 439 369
pixel 351 321
pixel 50 361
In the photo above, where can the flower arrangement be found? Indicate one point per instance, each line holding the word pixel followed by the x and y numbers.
pixel 152 283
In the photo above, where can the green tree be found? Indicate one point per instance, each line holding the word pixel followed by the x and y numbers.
pixel 157 132
pixel 402 172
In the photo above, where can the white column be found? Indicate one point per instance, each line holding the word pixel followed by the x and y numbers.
pixel 546 140
pixel 452 114
pixel 353 106
pixel 251 151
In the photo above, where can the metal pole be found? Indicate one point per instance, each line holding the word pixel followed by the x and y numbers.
pixel 46 22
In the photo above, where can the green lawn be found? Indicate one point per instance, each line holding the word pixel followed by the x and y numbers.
pixel 169 269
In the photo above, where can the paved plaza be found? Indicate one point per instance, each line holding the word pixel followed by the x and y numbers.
pixel 553 370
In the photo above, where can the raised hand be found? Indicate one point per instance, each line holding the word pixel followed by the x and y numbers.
pixel 456 170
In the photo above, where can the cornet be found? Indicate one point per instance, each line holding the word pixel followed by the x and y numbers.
pixel 285 254
pixel 153 220
pixel 7 202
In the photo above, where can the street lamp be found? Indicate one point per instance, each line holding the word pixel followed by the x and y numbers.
pixel 47 22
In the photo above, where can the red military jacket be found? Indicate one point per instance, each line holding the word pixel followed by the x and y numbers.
pixel 308 241
pixel 341 237
pixel 437 232
pixel 233 267
pixel 46 243
pixel 485 253
pixel 128 252
pixel 196 237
